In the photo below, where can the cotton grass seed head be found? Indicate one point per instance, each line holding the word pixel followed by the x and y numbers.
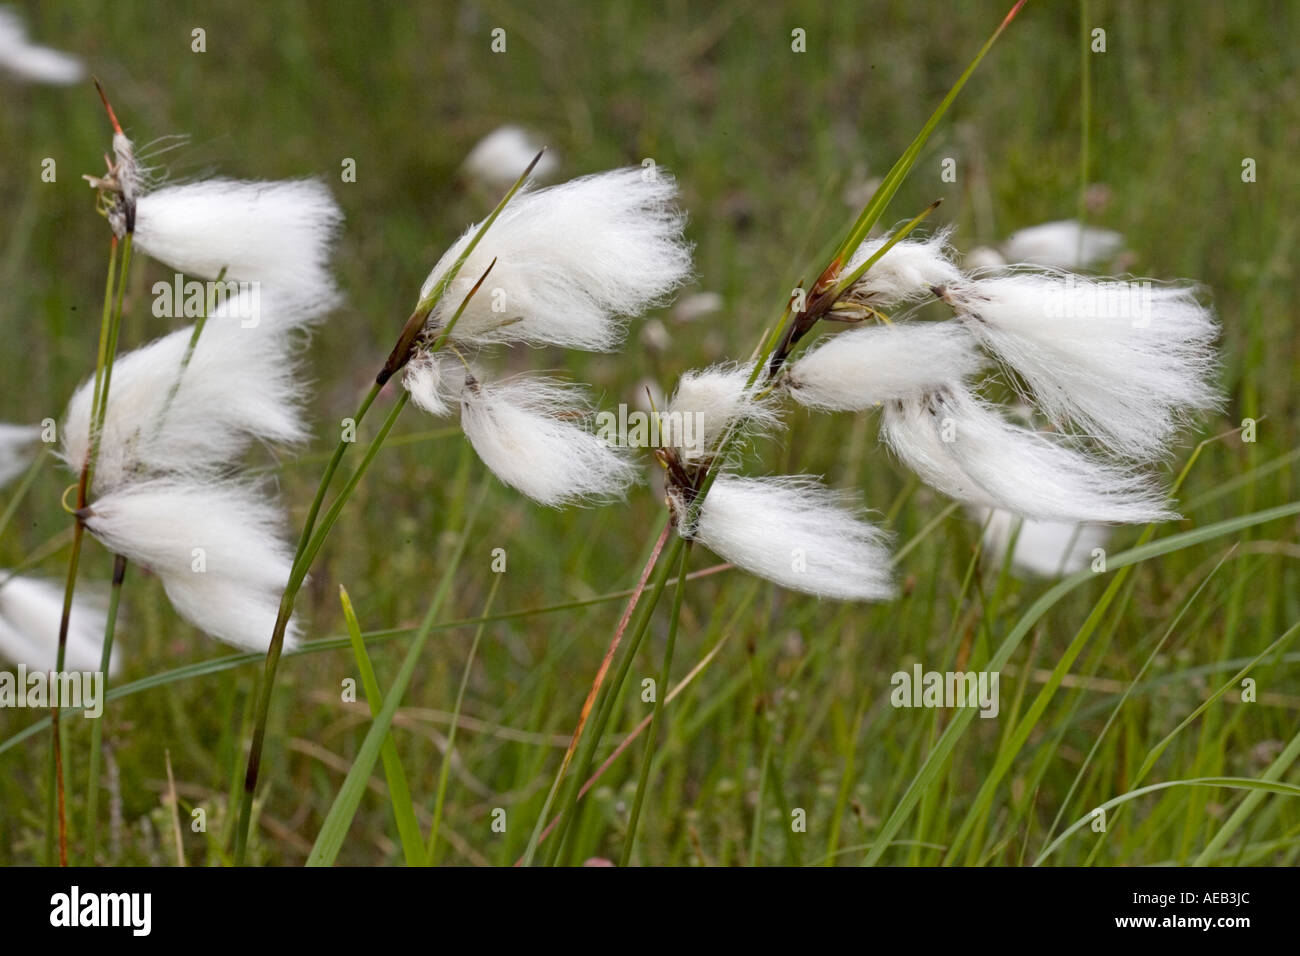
pixel 964 447
pixel 905 273
pixel 241 385
pixel 215 545
pixel 31 62
pixel 30 613
pixel 532 433
pixel 709 403
pixel 1063 245
pixel 278 234
pixel 573 261
pixel 863 367
pixel 497 159
pixel 795 532
pixel 1128 363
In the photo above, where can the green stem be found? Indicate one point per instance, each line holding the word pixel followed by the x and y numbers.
pixel 445 770
pixel 105 318
pixel 606 710
pixel 660 693
pixel 97 728
pixel 309 546
pixel 119 574
pixel 330 839
pixel 110 354
pixel 56 807
pixel 1086 107
pixel 310 541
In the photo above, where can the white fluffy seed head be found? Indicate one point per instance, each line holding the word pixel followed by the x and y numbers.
pixel 215 546
pixel 278 234
pixel 430 379
pixel 1046 549
pixel 1127 362
pixel 31 611
pixel 906 272
pixel 981 258
pixel 31 62
pixel 531 433
pixel 863 367
pixel 910 429
pixel 963 447
pixel 1059 244
pixel 708 402
pixel 16 448
pixel 572 260
pixel 796 533
pixel 500 157
pixel 240 386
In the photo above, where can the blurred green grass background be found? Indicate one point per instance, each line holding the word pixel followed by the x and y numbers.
pixel 766 143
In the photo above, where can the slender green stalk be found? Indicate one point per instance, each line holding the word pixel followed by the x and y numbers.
pixel 1085 106
pixel 105 318
pixel 101 410
pixel 772 352
pixel 660 693
pixel 445 771
pixel 296 577
pixel 308 543
pixel 97 728
pixel 610 701
pixel 634 598
pixel 330 839
pixel 56 808
pixel 399 790
pixel 56 820
pixel 119 573
pixel 20 493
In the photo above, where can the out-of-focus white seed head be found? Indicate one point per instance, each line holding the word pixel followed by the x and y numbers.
pixel 1062 245
pixel 31 62
pixel 499 157
pixel 31 611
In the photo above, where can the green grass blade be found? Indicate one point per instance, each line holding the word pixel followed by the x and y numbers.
pixel 1272 776
pixel 938 757
pixel 875 207
pixel 444 772
pixel 333 831
pixel 399 791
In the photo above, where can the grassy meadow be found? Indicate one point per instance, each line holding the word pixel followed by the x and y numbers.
pixel 783 747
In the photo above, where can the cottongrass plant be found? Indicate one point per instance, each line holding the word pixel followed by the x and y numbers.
pixel 566 267
pixel 563 266
pixel 1116 368
pixel 155 438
